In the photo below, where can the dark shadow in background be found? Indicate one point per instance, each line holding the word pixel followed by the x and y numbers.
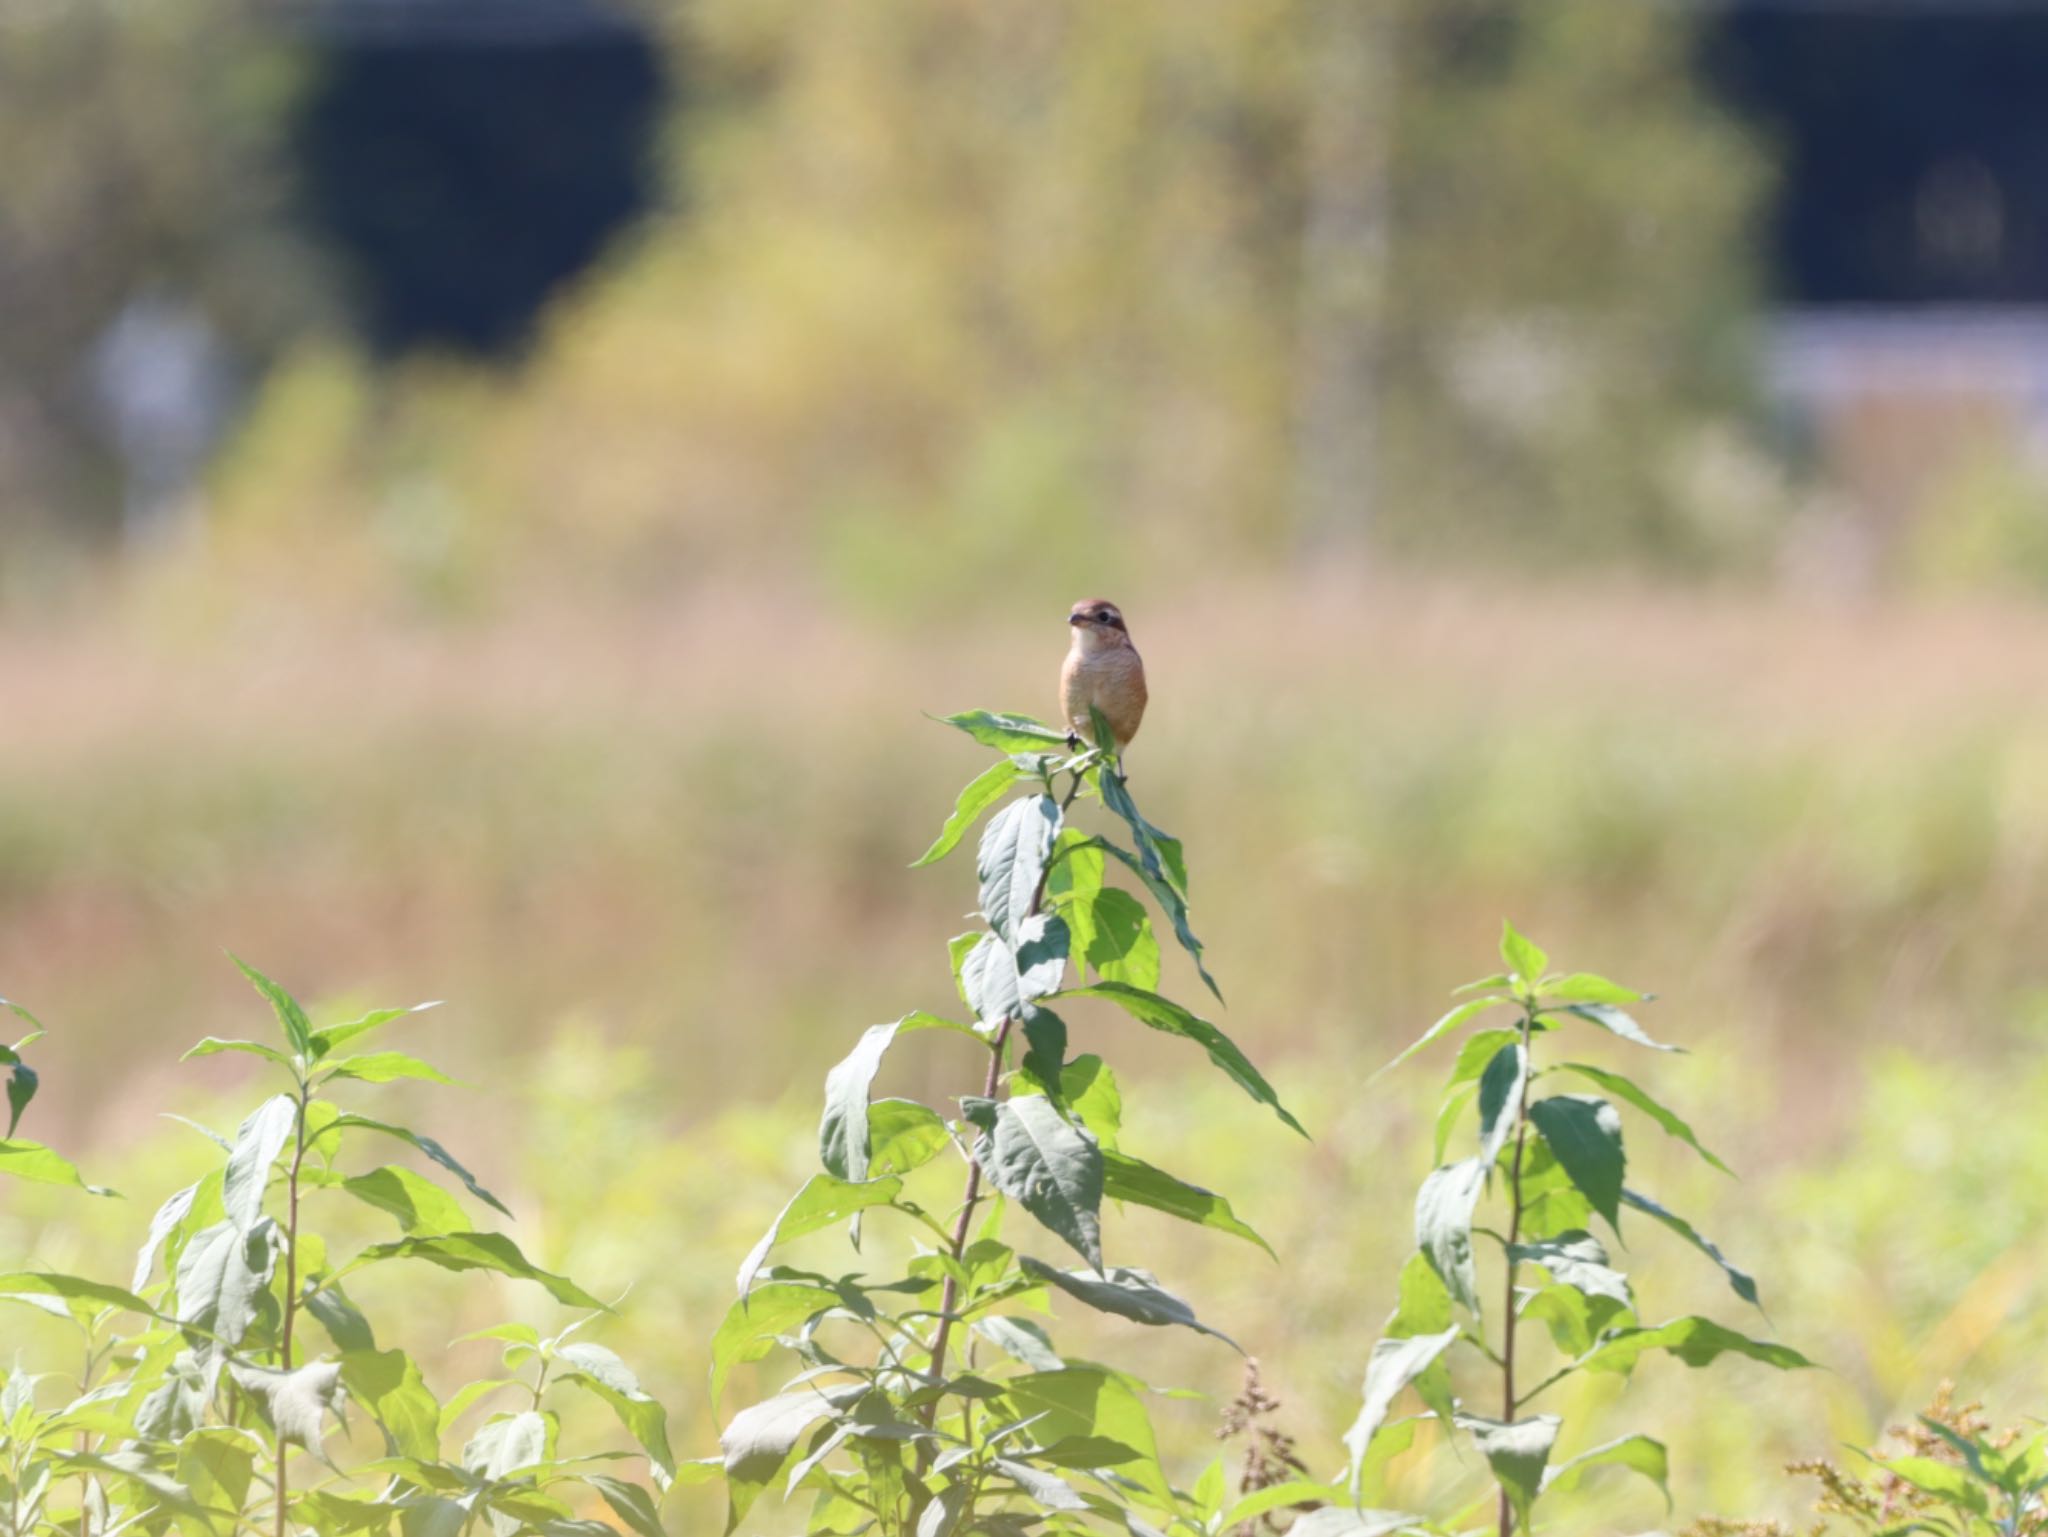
pixel 466 157
pixel 1913 145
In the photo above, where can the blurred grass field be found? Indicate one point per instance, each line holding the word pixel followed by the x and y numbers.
pixel 656 864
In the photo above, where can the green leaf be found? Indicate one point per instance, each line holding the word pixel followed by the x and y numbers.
pixel 1576 1259
pixel 295 1401
pixel 506 1445
pixel 1695 1341
pixel 630 1503
pixel 1164 1015
pixel 420 1205
pixel 760 1438
pixel 1021 1340
pixel 1521 955
pixel 261 1138
pixel 1091 1401
pixel 1632 1093
pixel 221 1274
pixel 385 1067
pixel 1452 1019
pixel 1132 1294
pixel 388 1384
pixel 1007 733
pixel 1443 1226
pixel 1615 1022
pixel 750 1326
pixel 132 1469
pixel 1740 1280
pixel 1477 1054
pixel 1500 1098
pixel 1158 863
pixel 1585 1134
pixel 21 1088
pixel 982 792
pixel 1298 1491
pixel 161 1225
pixel 1944 1480
pixel 1011 862
pixel 475 1251
pixel 298 1030
pixel 902 1135
pixel 425 1144
pixel 1516 1452
pixel 1394 1365
pixel 1113 935
pixel 1000 983
pixel 1639 1454
pixel 50 1283
pixel 1047 1164
pixel 213 1046
pixel 604 1374
pixel 821 1202
pixel 1423 1306
pixel 1127 1179
pixel 1575 1319
pixel 1584 987
pixel 1090 1091
pixel 327 1039
pixel 843 1135
pixel 1337 1521
pixel 1076 871
pixel 33 1161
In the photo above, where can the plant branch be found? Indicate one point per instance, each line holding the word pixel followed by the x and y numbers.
pixel 291 1286
pixel 1507 1352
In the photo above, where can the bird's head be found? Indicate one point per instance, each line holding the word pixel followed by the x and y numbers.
pixel 1098 625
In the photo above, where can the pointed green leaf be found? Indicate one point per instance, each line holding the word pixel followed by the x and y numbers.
pixel 1639 1454
pixel 475 1251
pixel 1585 1134
pixel 601 1371
pixel 821 1202
pixel 425 1144
pixel 1164 1015
pixel 1743 1283
pixel 751 1324
pixel 420 1205
pixel 1012 859
pixel 1617 1023
pixel 1516 1452
pixel 1632 1093
pixel 33 1161
pixel 1452 1019
pixel 385 1067
pixel 1000 983
pixel 298 1030
pixel 1576 1259
pixel 843 1135
pixel 1500 1098
pixel 261 1138
pixel 329 1037
pixel 1132 1294
pixel 982 792
pixel 1007 733
pixel 1443 1226
pixel 1584 987
pixel 1127 1179
pixel 213 1046
pixel 1695 1341
pixel 388 1384
pixel 1395 1364
pixel 1521 955
pixel 1044 1162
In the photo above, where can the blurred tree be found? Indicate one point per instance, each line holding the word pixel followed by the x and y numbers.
pixel 142 163
pixel 1068 290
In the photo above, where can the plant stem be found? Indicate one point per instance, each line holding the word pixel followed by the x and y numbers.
pixel 291 1285
pixel 1507 1350
pixel 949 1295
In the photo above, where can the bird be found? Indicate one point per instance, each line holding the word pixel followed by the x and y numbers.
pixel 1103 671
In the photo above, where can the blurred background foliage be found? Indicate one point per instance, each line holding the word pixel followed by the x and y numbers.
pixel 484 493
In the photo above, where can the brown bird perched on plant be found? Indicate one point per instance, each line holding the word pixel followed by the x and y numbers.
pixel 1103 670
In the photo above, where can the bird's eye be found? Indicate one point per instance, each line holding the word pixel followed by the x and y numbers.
pixel 1103 616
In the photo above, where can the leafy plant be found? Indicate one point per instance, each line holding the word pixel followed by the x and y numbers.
pixel 1950 1475
pixel 203 1401
pixel 927 1403
pixel 1551 1162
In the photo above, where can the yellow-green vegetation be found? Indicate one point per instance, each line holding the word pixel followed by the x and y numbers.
pixel 664 893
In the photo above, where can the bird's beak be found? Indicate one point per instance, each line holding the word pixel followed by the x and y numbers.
pixel 1077 619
